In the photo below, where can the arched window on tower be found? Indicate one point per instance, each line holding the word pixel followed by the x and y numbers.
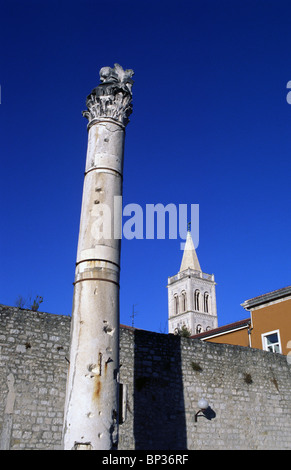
pixel 176 303
pixel 184 301
pixel 206 302
pixel 196 299
pixel 198 329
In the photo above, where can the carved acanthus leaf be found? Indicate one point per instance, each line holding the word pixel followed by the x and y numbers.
pixel 112 98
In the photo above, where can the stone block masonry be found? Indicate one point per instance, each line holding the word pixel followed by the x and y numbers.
pixel 248 391
pixel 162 377
pixel 33 373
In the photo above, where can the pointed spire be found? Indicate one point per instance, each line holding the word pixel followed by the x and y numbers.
pixel 189 259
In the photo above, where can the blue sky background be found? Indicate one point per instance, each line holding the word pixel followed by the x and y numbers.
pixel 210 126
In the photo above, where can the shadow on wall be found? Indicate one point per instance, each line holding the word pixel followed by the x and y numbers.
pixel 159 414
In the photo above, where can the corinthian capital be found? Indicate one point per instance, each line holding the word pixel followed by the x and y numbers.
pixel 112 98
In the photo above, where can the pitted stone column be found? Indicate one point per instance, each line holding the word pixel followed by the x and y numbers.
pixel 91 409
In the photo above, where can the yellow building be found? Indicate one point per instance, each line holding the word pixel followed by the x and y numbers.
pixel 268 326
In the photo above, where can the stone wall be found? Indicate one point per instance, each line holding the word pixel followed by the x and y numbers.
pixel 248 390
pixel 33 372
pixel 163 376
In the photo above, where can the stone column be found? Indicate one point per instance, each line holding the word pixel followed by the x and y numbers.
pixel 91 409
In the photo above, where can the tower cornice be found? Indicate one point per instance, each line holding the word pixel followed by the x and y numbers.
pixel 191 273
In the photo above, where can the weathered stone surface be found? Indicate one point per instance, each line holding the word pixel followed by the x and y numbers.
pixel 248 390
pixel 91 409
pixel 33 372
pixel 112 98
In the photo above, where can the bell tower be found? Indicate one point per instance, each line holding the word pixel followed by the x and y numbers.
pixel 191 295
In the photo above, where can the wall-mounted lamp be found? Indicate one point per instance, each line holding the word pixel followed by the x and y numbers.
pixel 202 405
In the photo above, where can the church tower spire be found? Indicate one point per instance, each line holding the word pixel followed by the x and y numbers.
pixel 191 295
pixel 190 259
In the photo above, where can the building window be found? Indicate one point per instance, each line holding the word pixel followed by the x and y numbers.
pixel 198 329
pixel 176 300
pixel 196 300
pixel 271 341
pixel 184 301
pixel 206 302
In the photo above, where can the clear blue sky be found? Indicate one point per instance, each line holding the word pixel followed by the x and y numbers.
pixel 210 126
